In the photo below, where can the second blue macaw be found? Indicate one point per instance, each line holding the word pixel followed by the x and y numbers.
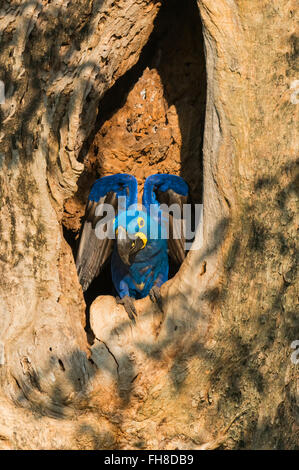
pixel 139 240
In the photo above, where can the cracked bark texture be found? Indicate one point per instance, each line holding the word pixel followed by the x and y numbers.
pixel 214 370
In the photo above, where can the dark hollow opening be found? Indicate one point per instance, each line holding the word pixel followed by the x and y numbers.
pixel 172 61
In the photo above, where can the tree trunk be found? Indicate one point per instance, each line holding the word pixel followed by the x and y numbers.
pixel 214 370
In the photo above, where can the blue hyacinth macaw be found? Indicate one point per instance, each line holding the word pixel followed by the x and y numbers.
pixel 136 238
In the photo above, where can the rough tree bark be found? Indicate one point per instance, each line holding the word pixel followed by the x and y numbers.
pixel 215 369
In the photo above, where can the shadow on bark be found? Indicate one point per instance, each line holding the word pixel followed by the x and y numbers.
pixel 180 62
pixel 229 367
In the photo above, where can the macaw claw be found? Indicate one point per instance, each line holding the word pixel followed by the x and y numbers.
pixel 155 296
pixel 128 303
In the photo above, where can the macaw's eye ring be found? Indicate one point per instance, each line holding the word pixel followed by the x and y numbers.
pixel 140 222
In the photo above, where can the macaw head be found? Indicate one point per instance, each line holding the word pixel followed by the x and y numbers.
pixel 131 230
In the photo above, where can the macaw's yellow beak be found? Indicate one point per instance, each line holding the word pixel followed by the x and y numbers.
pixel 142 237
pixel 128 247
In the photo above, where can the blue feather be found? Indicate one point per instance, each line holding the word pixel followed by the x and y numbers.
pixel 150 265
pixel 120 183
pixel 162 182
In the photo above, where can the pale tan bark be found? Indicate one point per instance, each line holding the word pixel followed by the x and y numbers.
pixel 215 369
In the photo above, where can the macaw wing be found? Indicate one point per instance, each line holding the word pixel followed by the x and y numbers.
pixel 95 248
pixel 176 241
pixel 93 252
pixel 168 190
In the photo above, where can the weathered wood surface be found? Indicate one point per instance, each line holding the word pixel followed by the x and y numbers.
pixel 215 369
